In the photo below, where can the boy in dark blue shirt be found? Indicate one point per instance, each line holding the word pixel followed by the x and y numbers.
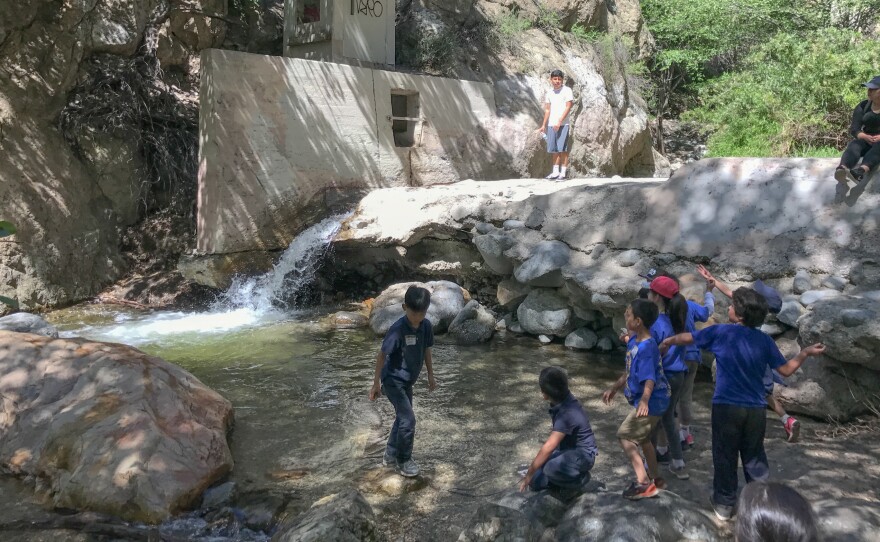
pixel 646 389
pixel 407 345
pixel 742 354
pixel 565 460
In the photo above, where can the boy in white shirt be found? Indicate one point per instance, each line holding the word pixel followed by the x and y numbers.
pixel 557 104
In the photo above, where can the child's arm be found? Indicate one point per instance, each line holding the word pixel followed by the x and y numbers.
pixel 376 389
pixel 723 288
pixel 794 363
pixel 432 384
pixel 609 394
pixel 568 105
pixel 676 340
pixel 552 443
pixel 546 116
pixel 642 409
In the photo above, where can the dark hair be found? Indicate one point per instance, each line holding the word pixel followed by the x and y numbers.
pixel 417 298
pixel 675 307
pixel 643 293
pixel 557 73
pixel 554 383
pixel 750 306
pixel 645 311
pixel 773 512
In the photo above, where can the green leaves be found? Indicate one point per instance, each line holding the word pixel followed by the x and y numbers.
pixel 6 228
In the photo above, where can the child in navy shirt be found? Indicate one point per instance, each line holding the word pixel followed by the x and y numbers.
pixel 742 353
pixel 407 346
pixel 565 459
pixel 647 391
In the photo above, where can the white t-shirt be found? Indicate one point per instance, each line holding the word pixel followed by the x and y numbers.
pixel 558 101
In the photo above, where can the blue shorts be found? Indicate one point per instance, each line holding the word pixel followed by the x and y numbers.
pixel 556 141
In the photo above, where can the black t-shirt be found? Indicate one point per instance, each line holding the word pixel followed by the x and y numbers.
pixel 864 120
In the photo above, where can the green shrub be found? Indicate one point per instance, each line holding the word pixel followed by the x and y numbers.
pixel 589 35
pixel 548 18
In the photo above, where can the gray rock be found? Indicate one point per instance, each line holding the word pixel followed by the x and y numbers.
pixel 517 328
pixel 492 247
pixel 605 344
pixel 602 517
pixel 483 228
pixel 791 311
pixel 854 340
pixel 811 296
pixel 835 283
pixel 582 339
pixel 772 329
pixel 629 258
pixel 513 224
pixel 848 520
pixel 830 390
pixel 493 522
pixel 856 317
pixel 447 300
pixel 865 274
pixel 218 496
pixel 544 264
pixel 344 517
pixel 545 340
pixel 535 219
pixel 585 315
pixel 511 293
pixel 346 320
pixel 501 325
pixel 23 322
pixel 544 312
pixel 803 282
pixel 541 506
pixel 473 325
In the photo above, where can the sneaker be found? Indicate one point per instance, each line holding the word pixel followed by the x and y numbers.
pixel 722 512
pixel 408 469
pixel 792 428
pixel 858 173
pixel 554 175
pixel 663 459
pixel 841 174
pixel 637 491
pixel 389 460
pixel 660 483
pixel 680 472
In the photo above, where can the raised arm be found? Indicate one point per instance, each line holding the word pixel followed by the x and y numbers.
pixel 794 363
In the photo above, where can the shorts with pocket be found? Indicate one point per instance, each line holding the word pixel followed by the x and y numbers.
pixel 637 429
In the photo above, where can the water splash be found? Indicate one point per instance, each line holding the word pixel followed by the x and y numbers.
pixel 295 269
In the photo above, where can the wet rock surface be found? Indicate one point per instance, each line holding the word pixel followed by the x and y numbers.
pixel 23 322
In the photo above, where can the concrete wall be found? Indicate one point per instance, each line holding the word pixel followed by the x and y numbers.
pixel 358 32
pixel 277 134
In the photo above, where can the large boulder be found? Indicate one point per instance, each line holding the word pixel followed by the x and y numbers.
pixel 544 264
pixel 23 322
pixel 108 428
pixel 849 326
pixel 493 522
pixel 473 325
pixel 447 300
pixel 848 520
pixel 343 517
pixel 544 312
pixel 828 389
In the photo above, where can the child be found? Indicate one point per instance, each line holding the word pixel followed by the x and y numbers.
pixel 742 352
pixel 407 345
pixel 672 319
pixel 557 104
pixel 774 303
pixel 693 358
pixel 647 390
pixel 565 460
pixel 773 512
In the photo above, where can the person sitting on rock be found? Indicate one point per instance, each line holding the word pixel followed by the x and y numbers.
pixel 555 126
pixel 774 304
pixel 407 345
pixel 565 459
pixel 774 512
pixel 646 389
pixel 865 130
pixel 742 353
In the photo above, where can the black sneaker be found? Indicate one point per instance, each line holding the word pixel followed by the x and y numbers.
pixel 858 173
pixel 841 174
pixel 663 459
pixel 637 491
pixel 722 511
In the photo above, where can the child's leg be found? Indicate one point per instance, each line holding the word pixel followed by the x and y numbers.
pixel 565 469
pixel 650 459
pixel 633 431
pixel 751 450
pixel 400 441
pixel 632 451
pixel 539 479
pixel 670 429
pixel 727 428
pixel 775 406
pixel 685 412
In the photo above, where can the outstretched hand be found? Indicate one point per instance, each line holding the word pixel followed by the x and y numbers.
pixel 608 396
pixel 814 349
pixel 706 274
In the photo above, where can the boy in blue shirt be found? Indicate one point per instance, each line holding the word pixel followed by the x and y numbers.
pixel 646 389
pixel 407 345
pixel 742 354
pixel 565 460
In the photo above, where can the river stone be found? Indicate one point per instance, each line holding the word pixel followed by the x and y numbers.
pixel 803 282
pixel 539 506
pixel 629 258
pixel 845 326
pixel 473 325
pixel 545 340
pixel 341 517
pixel 811 296
pixel 848 519
pixel 865 274
pixel 513 225
pixel 773 329
pixel 447 300
pixel 605 344
pixel 23 322
pixel 581 339
pixel 493 522
pixel 516 327
pixel 483 228
pixel 346 320
pixel 827 389
pixel 218 496
pixel 492 247
pixel 834 282
pixel 511 293
pixel 790 312
pixel 604 517
pixel 544 312
pixel 107 428
pixel 542 268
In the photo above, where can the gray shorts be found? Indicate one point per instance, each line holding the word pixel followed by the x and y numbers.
pixel 557 141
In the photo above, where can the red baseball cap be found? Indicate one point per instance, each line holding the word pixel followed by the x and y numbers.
pixel 664 286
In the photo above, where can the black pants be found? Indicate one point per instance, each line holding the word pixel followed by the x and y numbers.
pixel 737 433
pixel 667 421
pixel 857 149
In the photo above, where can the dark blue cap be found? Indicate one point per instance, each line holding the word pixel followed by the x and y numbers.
pixel 873 83
pixel 774 300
